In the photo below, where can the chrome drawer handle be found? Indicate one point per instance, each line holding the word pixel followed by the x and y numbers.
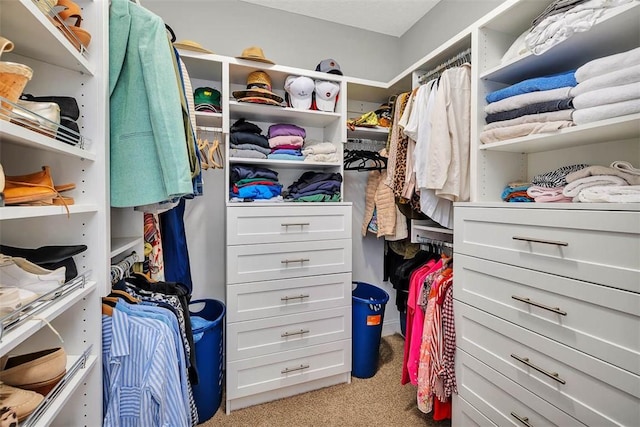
pixel 537 304
pixel 546 242
pixel 289 334
pixel 291 224
pixel 288 261
pixel 301 296
pixel 523 420
pixel 297 368
pixel 552 375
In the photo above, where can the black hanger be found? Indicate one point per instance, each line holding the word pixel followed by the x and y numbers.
pixel 173 35
pixel 364 160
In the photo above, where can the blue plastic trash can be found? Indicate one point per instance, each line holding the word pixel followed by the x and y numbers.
pixel 208 344
pixel 367 311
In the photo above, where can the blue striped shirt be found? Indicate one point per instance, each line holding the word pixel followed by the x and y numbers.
pixel 142 376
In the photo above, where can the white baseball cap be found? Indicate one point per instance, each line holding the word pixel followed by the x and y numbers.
pixel 300 90
pixel 326 95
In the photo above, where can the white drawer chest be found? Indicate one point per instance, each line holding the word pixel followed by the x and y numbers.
pixel 288 300
pixel 547 309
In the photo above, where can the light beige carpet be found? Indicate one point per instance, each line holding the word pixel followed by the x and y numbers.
pixel 377 401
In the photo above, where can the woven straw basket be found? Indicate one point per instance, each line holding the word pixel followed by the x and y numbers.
pixel 13 77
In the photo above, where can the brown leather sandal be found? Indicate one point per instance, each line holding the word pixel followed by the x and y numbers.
pixel 78 36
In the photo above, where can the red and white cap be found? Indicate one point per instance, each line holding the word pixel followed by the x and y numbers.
pixel 300 90
pixel 326 95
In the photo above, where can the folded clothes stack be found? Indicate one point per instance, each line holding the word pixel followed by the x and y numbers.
pixel 252 183
pixel 607 87
pixel 536 105
pixel 286 141
pixel 617 183
pixel 320 152
pixel 315 187
pixel 563 18
pixel 246 141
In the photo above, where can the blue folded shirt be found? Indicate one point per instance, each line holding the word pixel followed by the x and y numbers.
pixel 554 81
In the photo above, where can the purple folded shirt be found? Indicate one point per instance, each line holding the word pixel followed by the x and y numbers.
pixel 286 129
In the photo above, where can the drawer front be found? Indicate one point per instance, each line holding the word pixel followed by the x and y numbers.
pixel 265 336
pixel 252 263
pixel 594 392
pixel 274 371
pixel 569 243
pixel 250 301
pixel 503 401
pixel 601 321
pixel 465 415
pixel 272 224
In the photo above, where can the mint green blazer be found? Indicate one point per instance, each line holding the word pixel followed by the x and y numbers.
pixel 149 162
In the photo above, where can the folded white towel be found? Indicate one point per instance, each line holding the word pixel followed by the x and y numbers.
pixel 320 148
pixel 607 111
pixel 611 194
pixel 625 166
pixel 595 170
pixel 618 77
pixel 522 100
pixel 604 65
pixel 573 188
pixel 607 95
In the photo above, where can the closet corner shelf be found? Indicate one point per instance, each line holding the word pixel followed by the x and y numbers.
pixel 12 133
pixel 284 164
pixel 51 411
pixel 441 230
pixel 42 40
pixel 204 118
pixel 55 308
pixel 619 28
pixel 273 114
pixel 615 129
pixel 25 212
pixel 378 133
pixel 120 245
pixel 203 66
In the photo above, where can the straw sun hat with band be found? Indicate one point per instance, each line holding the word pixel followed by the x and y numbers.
pixel 258 90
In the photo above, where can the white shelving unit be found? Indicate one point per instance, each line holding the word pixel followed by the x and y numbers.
pixel 60 69
pixel 307 251
pixel 530 275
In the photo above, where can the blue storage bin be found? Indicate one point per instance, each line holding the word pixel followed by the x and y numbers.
pixel 209 347
pixel 368 305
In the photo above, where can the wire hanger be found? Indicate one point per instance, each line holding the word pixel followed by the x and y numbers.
pixel 455 61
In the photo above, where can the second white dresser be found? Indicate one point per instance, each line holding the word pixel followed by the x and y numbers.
pixel 288 300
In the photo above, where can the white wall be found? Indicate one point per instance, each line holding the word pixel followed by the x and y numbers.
pixel 443 21
pixel 228 26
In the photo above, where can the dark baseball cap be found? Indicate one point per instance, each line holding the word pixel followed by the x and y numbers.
pixel 329 66
pixel 207 99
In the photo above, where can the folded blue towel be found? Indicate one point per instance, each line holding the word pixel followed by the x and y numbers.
pixel 554 81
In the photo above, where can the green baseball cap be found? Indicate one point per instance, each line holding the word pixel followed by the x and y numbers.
pixel 207 99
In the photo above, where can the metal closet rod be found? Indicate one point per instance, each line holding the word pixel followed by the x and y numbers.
pixel 462 55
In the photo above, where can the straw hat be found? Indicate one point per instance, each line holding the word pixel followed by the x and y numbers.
pixel 258 90
pixel 191 45
pixel 254 53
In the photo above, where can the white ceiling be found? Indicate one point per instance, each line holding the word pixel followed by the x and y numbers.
pixel 391 17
